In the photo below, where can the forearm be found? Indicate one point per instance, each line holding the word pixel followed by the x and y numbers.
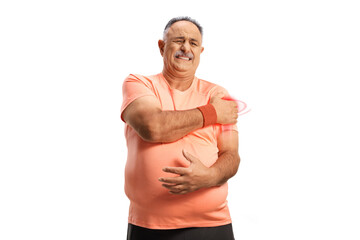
pixel 225 167
pixel 153 124
pixel 169 126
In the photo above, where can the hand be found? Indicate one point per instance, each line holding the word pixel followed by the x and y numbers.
pixel 227 111
pixel 196 176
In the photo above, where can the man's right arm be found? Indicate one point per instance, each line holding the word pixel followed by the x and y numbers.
pixel 152 124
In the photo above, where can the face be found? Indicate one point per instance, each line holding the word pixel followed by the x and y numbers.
pixel 181 48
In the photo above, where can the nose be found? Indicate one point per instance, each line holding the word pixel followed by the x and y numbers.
pixel 185 47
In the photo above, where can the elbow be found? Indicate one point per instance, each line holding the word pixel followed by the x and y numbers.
pixel 155 130
pixel 151 132
pixel 237 162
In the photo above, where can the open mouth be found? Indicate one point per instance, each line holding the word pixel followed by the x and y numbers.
pixel 184 58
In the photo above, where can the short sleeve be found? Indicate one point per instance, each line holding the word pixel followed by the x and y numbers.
pixel 135 86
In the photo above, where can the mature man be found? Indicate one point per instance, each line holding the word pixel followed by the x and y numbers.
pixel 182 145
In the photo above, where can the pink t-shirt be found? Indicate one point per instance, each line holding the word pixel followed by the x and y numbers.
pixel 151 205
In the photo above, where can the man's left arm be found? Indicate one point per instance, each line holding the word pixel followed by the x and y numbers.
pixel 229 160
pixel 197 175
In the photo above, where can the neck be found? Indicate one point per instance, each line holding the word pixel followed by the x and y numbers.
pixel 179 82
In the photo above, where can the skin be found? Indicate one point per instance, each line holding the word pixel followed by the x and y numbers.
pixel 197 175
pixel 181 36
pixel 152 124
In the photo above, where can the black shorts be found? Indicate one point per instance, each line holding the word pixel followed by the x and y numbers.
pixel 196 233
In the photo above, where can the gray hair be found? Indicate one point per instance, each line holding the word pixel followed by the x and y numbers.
pixel 185 18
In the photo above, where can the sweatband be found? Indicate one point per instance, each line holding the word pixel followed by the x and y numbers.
pixel 209 114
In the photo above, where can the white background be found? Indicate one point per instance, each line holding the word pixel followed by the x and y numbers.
pixel 62 148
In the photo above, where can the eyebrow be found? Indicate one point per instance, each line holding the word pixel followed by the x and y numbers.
pixel 192 39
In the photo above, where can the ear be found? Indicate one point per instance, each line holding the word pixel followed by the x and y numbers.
pixel 202 49
pixel 161 45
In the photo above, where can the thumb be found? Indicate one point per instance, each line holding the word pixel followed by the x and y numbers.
pixel 188 156
pixel 219 95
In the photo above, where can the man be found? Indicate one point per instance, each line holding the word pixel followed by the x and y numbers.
pixel 182 145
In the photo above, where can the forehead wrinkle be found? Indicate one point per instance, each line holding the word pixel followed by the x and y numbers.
pixel 189 32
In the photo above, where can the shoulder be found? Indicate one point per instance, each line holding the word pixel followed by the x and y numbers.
pixel 142 78
pixel 138 79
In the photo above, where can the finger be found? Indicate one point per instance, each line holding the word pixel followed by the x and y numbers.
pixel 176 180
pixel 189 157
pixel 241 105
pixel 176 170
pixel 170 187
pixel 219 95
pixel 174 188
pixel 180 193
